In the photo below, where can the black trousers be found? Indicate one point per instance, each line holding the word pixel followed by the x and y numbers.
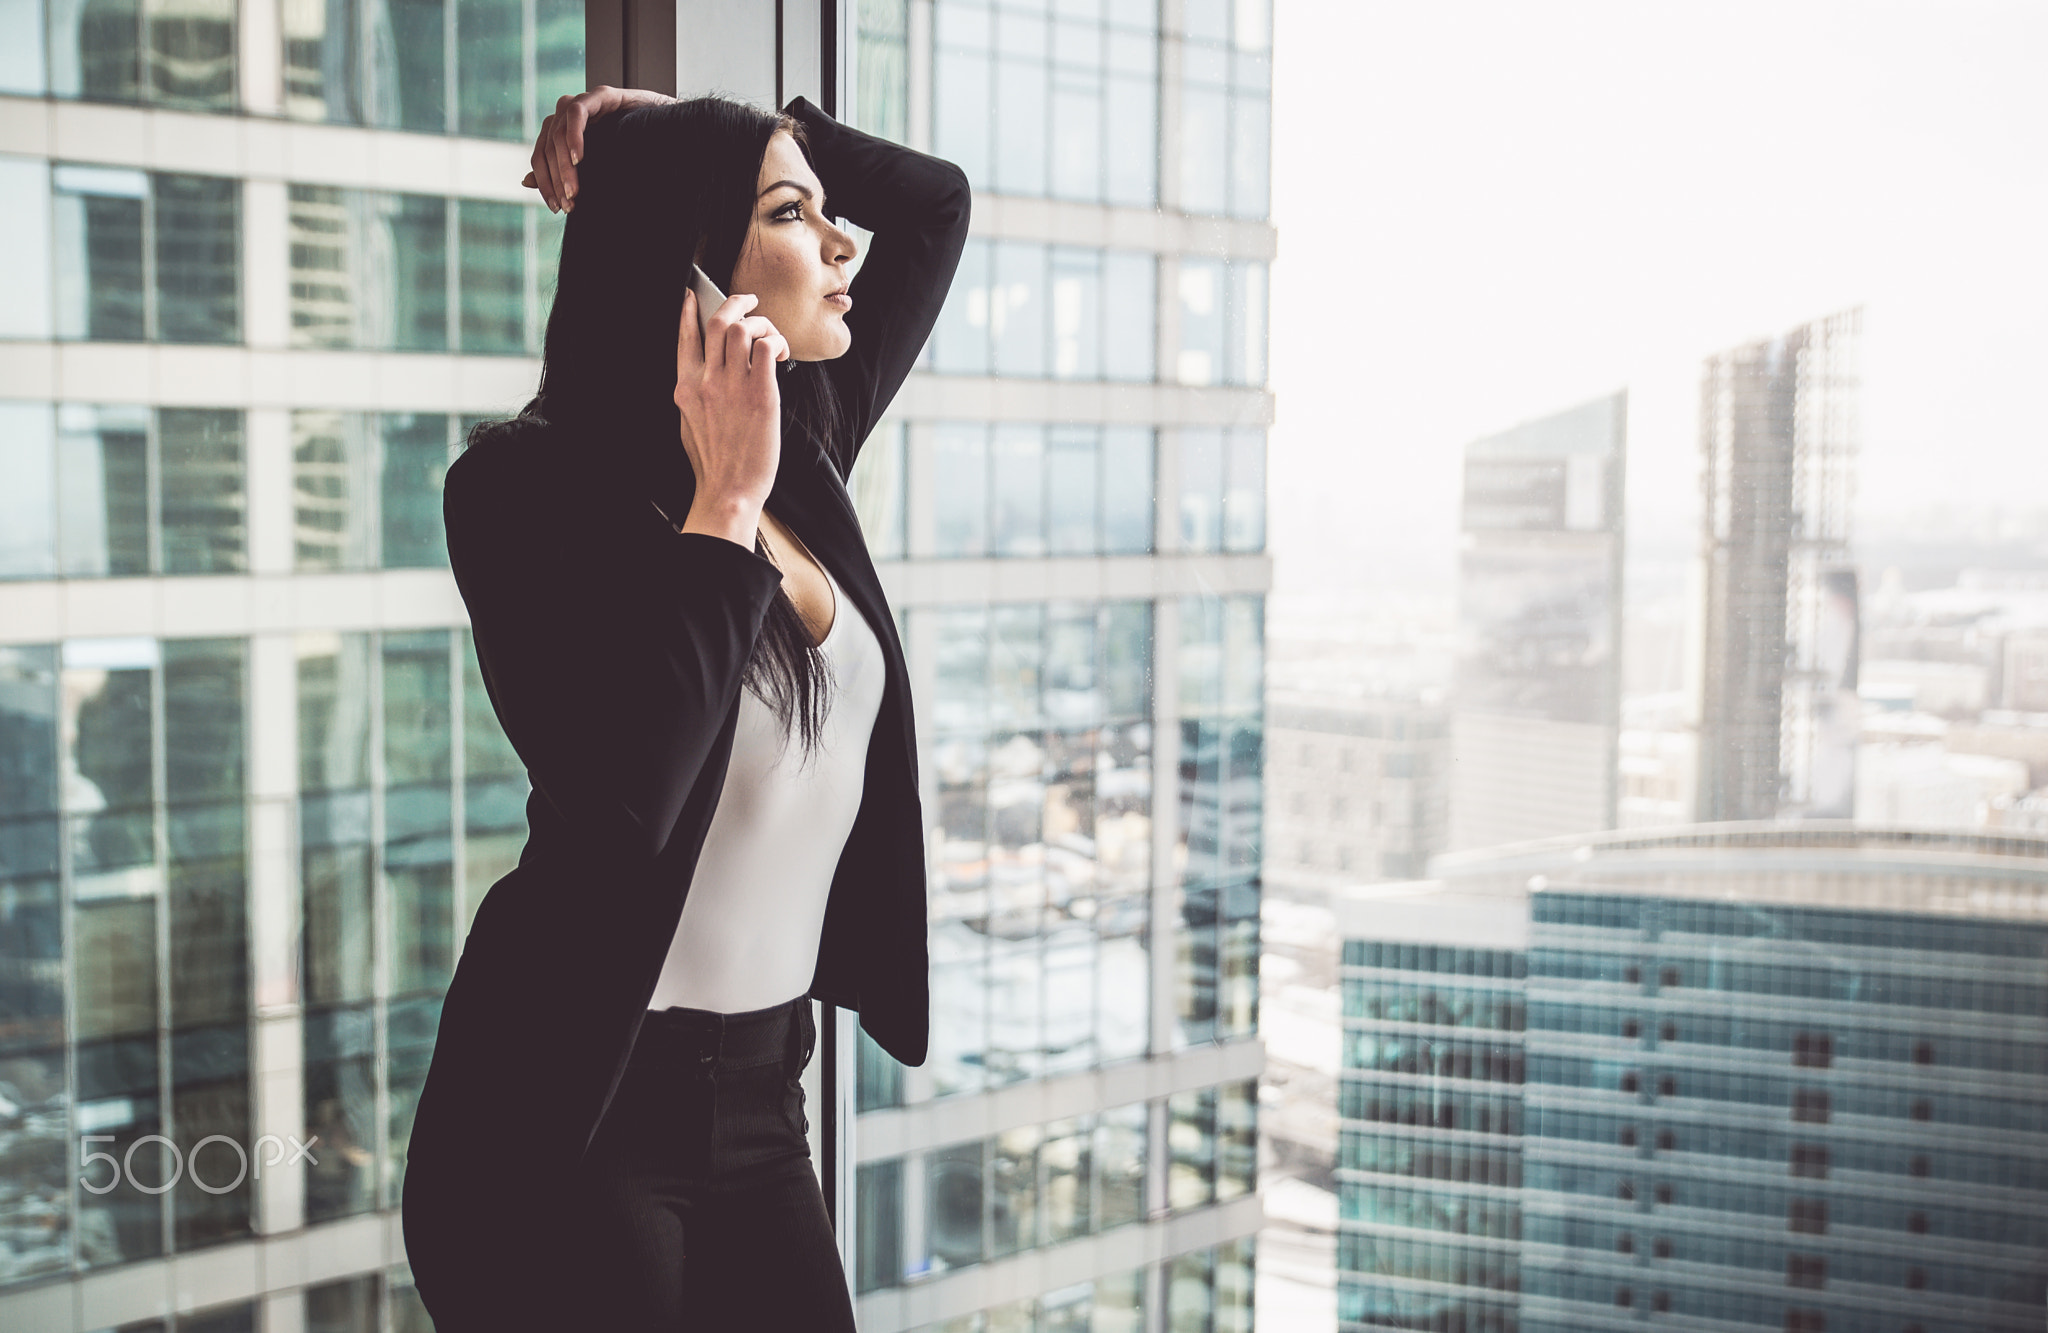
pixel 697 1206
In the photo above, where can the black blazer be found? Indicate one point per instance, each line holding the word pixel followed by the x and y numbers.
pixel 613 648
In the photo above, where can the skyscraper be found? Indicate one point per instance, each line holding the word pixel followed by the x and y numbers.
pixel 1777 706
pixel 1766 1076
pixel 1536 710
pixel 267 263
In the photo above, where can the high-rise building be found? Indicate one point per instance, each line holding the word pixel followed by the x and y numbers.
pixel 1355 788
pixel 1536 709
pixel 1778 714
pixel 1748 1076
pixel 267 263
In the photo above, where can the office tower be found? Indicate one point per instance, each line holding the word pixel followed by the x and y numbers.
pixel 267 264
pixel 1536 711
pixel 1077 477
pixel 1776 1078
pixel 1355 788
pixel 1777 706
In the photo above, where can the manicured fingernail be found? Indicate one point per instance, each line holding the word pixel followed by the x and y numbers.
pixel 575 159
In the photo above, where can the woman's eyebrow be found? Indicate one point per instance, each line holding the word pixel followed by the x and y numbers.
pixel 798 186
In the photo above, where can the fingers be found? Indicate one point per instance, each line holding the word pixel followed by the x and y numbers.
pixel 689 343
pixel 543 173
pixel 776 347
pixel 566 146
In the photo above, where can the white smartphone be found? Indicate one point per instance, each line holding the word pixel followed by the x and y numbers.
pixel 709 298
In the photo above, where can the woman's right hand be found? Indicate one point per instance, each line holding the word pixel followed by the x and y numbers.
pixel 559 146
pixel 731 411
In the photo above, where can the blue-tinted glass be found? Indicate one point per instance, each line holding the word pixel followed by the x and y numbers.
pixel 418 732
pixel 558 54
pixel 489 82
pixel 954 1188
pixel 103 490
pixel 1020 140
pixel 1201 488
pixel 198 237
pixel 960 501
pixel 1203 329
pixel 1204 132
pixel 1016 659
pixel 960 669
pixel 98 244
pixel 1244 489
pixel 1076 313
pixel 961 119
pixel 1127 490
pixel 1017 308
pixel 493 282
pixel 1077 134
pixel 96 50
pixel 1071 476
pixel 190 54
pixel 415 460
pixel 419 32
pixel 204 502
pixel 960 342
pixel 1130 287
pixel 333 490
pixel 1132 149
pixel 204 720
pixel 419 250
pixel 1017 490
pixel 28 503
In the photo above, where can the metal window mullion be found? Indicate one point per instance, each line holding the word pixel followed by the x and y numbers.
pixel 452 270
pixel 160 822
pixel 149 302
pixel 152 497
pixel 451 95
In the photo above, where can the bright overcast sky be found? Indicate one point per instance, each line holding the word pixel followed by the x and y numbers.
pixel 1490 211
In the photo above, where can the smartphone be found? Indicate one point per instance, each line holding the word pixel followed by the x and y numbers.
pixel 709 298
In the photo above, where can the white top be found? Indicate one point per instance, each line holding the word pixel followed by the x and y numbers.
pixel 750 928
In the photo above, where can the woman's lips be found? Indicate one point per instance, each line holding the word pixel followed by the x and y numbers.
pixel 840 300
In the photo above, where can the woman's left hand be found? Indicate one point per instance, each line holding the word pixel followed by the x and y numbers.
pixel 560 145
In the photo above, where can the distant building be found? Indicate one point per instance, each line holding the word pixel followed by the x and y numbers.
pixel 1538 697
pixel 1777 708
pixel 1746 1077
pixel 1355 789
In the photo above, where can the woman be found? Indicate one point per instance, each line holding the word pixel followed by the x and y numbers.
pixel 685 640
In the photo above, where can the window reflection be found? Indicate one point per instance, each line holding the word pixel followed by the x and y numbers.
pixel 1025 309
pixel 1022 489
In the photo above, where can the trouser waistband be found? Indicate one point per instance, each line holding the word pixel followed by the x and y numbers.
pixel 779 1033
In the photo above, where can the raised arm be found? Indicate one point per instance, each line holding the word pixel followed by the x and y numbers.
pixel 917 207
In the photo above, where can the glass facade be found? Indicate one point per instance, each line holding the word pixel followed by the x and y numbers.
pixel 1767 1114
pixel 1029 310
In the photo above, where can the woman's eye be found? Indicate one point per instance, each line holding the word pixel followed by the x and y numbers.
pixel 796 204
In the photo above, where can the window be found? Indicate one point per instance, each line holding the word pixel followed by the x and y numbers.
pixel 143 256
pixel 1226 107
pixel 1222 322
pixel 1046 99
pixel 1222 488
pixel 367 488
pixel 180 56
pixel 1016 489
pixel 1027 310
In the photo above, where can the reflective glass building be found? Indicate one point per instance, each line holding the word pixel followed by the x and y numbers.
pixel 268 263
pixel 1720 1076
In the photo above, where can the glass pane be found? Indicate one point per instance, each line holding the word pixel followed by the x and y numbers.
pixel 1204 137
pixel 1072 470
pixel 877 485
pixel 114 965
pixel 493 276
pixel 1132 149
pixel 960 488
pixel 205 499
pixel 25 236
pixel 960 341
pixel 118 1106
pixel 191 53
pixel 1076 313
pixel 419 55
pixel 210 1097
pixel 97 246
pixel 415 460
pixel 102 490
pixel 417 732
pixel 489 85
pixel 341 1107
pixel 960 105
pixel 1127 488
pixel 28 503
pixel 418 226
pixel 204 721
pixel 879 1231
pixel 1017 489
pixel 558 54
pixel 334 711
pixel 1017 308
pixel 954 1188
pixel 96 50
pixel 1201 488
pixel 1190 1137
pixel 332 488
pixel 324 299
pixel 1202 335
pixel 1077 98
pixel 1246 352
pixel 1013 1200
pixel 1120 1165
pixel 1250 143
pixel 1244 497
pixel 1130 297
pixel 198 259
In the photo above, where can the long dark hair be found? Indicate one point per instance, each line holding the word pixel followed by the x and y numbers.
pixel 657 185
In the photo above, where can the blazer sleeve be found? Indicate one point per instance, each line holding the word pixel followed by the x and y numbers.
pixel 614 715
pixel 917 206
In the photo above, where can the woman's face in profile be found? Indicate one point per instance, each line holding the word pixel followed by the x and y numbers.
pixel 794 259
